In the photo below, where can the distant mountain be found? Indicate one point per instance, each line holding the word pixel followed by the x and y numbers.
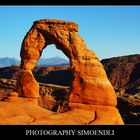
pixel 54 61
pixel 4 62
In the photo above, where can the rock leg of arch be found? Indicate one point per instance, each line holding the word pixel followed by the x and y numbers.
pixel 90 87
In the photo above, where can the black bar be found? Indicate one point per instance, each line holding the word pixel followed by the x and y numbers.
pixel 69 2
pixel 78 130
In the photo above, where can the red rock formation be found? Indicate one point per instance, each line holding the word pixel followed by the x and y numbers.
pixel 124 73
pixel 90 84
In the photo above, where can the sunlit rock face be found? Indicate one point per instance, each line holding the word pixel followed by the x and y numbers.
pixel 90 84
pixel 90 87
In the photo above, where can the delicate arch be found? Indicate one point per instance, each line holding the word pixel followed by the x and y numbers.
pixel 90 84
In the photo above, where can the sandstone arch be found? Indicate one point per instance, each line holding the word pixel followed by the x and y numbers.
pixel 90 84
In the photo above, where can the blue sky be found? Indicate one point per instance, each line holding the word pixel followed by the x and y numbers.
pixel 108 30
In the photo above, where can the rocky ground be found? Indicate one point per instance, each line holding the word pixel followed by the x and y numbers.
pixel 129 109
pixel 54 98
pixel 50 108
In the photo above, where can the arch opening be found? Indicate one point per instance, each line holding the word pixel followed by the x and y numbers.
pixel 55 80
pixel 55 70
pixel 51 56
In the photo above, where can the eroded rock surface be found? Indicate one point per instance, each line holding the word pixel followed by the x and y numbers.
pixel 19 110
